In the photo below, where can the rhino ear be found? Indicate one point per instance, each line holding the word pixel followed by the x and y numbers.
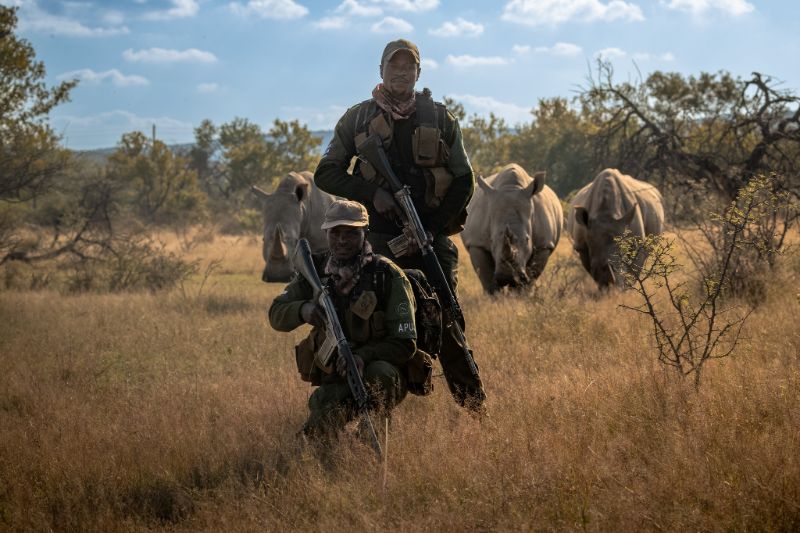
pixel 301 191
pixel 628 217
pixel 258 191
pixel 484 185
pixel 582 216
pixel 536 186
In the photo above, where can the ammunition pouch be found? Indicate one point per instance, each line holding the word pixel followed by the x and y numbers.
pixel 305 355
pixel 429 150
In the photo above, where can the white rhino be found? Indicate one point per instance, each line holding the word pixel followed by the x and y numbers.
pixel 293 211
pixel 514 222
pixel 602 210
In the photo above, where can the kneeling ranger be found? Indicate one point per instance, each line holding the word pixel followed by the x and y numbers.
pixel 374 303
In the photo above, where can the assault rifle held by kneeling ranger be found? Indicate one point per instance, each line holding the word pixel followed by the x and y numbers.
pixel 335 340
pixel 371 149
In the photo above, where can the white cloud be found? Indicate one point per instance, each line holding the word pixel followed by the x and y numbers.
pixel 331 23
pixel 553 12
pixel 477 61
pixel 521 49
pixel 163 55
pixel 181 9
pixel 206 88
pixel 560 49
pixel 429 64
pixel 458 28
pixel 610 53
pixel 356 9
pixel 33 18
pixel 114 76
pixel 115 18
pixel 414 6
pixel 392 25
pixel 644 56
pixel 270 9
pixel 512 113
pixel 699 7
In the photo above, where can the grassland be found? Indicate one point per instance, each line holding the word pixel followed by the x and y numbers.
pixel 133 412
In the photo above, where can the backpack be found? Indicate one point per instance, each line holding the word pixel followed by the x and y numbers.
pixel 428 319
pixel 428 315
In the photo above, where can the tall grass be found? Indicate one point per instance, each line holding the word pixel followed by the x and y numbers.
pixel 179 411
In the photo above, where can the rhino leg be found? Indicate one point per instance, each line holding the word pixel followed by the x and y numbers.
pixel 537 262
pixel 483 264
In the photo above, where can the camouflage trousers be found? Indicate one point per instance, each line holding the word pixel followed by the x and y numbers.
pixel 331 405
pixel 467 390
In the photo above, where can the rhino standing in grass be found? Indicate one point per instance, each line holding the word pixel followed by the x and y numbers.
pixel 514 224
pixel 293 211
pixel 602 210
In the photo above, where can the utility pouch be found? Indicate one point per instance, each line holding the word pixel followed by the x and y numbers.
pixel 419 372
pixel 437 181
pixel 425 145
pixel 305 357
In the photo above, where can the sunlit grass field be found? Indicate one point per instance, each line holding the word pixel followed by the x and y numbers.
pixel 178 411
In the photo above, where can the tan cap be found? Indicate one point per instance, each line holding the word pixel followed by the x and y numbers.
pixel 345 213
pixel 395 46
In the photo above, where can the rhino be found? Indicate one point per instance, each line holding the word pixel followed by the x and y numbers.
pixel 513 225
pixel 293 211
pixel 603 210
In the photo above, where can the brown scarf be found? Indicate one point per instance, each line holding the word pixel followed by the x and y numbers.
pixel 397 109
pixel 345 274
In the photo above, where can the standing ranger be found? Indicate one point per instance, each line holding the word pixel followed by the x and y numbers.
pixel 422 141
pixel 374 305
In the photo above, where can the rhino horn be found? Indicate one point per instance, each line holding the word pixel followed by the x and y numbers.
pixel 278 249
pixel 258 191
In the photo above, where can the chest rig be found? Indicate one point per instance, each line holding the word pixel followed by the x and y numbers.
pixel 429 150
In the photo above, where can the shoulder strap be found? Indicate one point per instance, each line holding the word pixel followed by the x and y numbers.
pixel 426 110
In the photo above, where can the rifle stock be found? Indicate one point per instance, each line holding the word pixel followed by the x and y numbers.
pixel 335 340
pixel 371 149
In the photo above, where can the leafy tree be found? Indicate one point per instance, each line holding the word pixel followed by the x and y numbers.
pixel 162 187
pixel 202 153
pixel 706 133
pixel 558 140
pixel 29 152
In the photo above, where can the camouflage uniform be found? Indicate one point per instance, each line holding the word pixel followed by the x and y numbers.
pixel 386 341
pixel 332 176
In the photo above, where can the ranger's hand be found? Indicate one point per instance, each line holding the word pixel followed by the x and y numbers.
pixel 385 205
pixel 312 314
pixel 413 248
pixel 341 365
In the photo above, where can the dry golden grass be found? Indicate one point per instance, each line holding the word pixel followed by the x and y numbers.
pixel 140 411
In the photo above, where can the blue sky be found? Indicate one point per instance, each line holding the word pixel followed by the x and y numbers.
pixel 176 62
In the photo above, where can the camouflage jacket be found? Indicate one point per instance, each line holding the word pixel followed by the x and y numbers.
pixel 331 174
pixel 388 333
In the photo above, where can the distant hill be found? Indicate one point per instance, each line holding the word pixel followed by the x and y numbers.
pixel 100 155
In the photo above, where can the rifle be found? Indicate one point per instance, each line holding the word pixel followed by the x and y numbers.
pixel 371 149
pixel 335 339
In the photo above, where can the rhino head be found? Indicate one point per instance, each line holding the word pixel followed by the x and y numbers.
pixel 284 216
pixel 603 250
pixel 510 229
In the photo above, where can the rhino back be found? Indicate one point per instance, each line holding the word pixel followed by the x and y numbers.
pixel 319 201
pixel 548 219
